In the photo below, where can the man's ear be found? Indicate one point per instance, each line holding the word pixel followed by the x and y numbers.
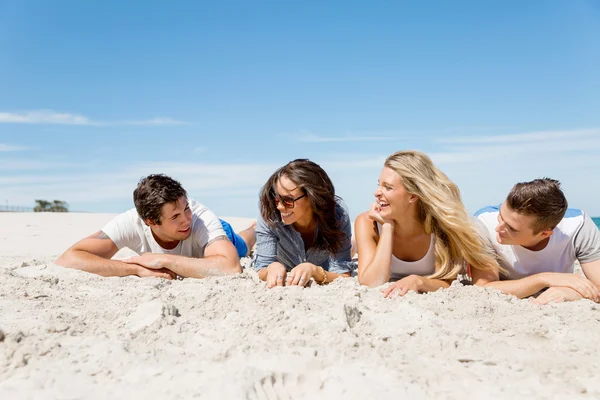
pixel 149 222
pixel 545 234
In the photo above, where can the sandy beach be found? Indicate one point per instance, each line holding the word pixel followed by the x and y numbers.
pixel 66 334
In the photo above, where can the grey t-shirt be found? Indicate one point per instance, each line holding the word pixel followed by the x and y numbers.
pixel 284 244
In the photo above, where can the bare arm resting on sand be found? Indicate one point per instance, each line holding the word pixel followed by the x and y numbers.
pixel 530 285
pixel 220 258
pixel 93 254
pixel 559 294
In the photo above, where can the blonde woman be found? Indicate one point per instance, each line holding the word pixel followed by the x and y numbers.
pixel 417 233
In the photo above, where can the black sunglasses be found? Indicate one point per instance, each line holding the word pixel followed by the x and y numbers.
pixel 287 201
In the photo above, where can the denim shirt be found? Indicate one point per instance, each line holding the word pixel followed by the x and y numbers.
pixel 284 244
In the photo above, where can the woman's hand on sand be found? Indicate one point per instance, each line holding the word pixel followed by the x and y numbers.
pixel 374 214
pixel 582 285
pixel 557 295
pixel 301 274
pixel 403 286
pixel 276 274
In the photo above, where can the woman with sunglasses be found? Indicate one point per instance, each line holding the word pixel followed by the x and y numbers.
pixel 304 231
pixel 418 232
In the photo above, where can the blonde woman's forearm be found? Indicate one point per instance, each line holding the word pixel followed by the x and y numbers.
pixel 378 270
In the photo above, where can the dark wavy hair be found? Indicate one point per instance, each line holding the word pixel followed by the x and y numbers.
pixel 152 193
pixel 315 183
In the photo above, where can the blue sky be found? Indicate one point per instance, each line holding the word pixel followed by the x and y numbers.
pixel 95 95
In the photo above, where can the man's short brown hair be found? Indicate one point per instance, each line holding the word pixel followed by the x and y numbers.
pixel 152 193
pixel 541 198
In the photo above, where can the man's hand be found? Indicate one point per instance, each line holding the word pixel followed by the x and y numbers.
pixel 557 295
pixel 583 286
pixel 148 260
pixel 276 273
pixel 403 286
pixel 144 272
pixel 301 274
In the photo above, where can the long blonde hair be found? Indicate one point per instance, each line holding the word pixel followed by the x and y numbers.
pixel 443 214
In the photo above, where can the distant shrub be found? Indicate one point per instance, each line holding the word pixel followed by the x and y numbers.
pixel 51 206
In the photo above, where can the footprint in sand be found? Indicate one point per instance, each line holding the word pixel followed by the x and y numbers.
pixel 283 386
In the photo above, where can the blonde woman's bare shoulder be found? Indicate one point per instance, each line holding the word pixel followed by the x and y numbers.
pixel 363 218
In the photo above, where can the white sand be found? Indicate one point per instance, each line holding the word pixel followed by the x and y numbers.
pixel 71 335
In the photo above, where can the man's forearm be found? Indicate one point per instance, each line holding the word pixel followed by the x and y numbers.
pixel 84 261
pixel 520 288
pixel 201 267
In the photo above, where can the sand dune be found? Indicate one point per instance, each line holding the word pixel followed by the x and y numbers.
pixel 66 334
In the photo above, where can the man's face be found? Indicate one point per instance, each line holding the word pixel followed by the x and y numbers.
pixel 516 229
pixel 176 221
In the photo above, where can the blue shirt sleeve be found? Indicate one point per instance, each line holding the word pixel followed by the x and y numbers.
pixel 341 262
pixel 266 246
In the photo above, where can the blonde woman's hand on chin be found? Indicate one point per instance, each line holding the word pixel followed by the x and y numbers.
pixel 276 274
pixel 375 215
pixel 403 286
pixel 301 274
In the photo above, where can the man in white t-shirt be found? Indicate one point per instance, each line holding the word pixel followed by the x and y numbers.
pixel 172 236
pixel 537 240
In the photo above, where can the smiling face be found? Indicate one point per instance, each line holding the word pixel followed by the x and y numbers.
pixel 175 223
pixel 516 229
pixel 301 212
pixel 391 195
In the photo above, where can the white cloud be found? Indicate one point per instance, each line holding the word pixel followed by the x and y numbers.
pixel 8 147
pixel 44 117
pixel 521 147
pixel 524 137
pixel 153 121
pixel 484 170
pixel 82 186
pixel 47 117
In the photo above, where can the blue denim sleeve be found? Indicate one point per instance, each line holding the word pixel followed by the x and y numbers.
pixel 341 262
pixel 266 246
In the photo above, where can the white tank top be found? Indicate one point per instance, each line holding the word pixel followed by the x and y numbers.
pixel 423 267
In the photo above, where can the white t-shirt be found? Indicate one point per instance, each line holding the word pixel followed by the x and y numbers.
pixel 575 238
pixel 128 230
